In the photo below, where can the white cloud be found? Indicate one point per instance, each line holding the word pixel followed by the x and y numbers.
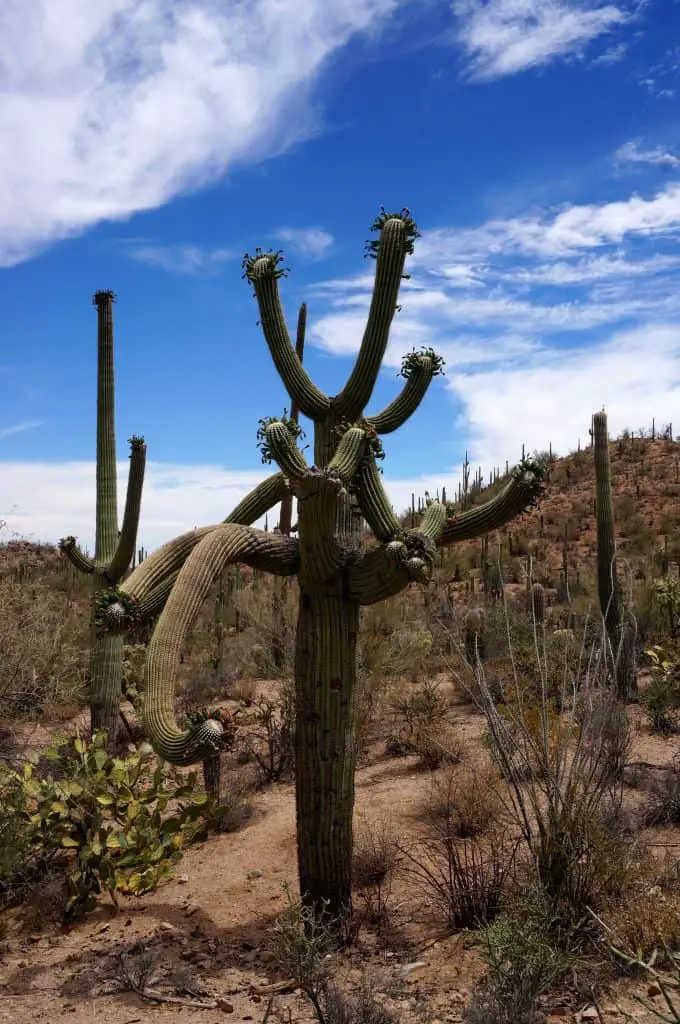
pixel 611 56
pixel 20 428
pixel 116 106
pixel 313 243
pixel 630 152
pixel 531 401
pixel 595 268
pixel 54 500
pixel 634 374
pixel 180 259
pixel 503 37
pixel 568 231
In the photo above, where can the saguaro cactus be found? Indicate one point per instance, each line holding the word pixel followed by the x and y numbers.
pixel 537 602
pixel 618 626
pixel 335 578
pixel 114 550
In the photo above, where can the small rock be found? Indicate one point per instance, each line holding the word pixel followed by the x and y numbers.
pixel 183 879
pixel 255 873
pixel 408 968
pixel 653 990
pixel 224 1005
pixel 165 926
pixel 590 1013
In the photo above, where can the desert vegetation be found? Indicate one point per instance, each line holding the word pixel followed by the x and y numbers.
pixel 445 749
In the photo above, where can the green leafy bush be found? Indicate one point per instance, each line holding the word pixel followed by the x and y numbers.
pixel 113 824
pixel 661 700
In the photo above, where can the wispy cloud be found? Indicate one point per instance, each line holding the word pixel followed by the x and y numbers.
pixel 571 230
pixel 313 243
pixel 181 259
pixel 540 310
pixel 20 428
pixel 503 37
pixel 110 108
pixel 611 56
pixel 630 153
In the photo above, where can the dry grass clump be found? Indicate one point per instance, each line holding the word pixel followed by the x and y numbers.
pixel 464 801
pixel 44 655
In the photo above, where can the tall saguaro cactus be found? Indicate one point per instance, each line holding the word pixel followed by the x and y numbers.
pixel 617 624
pixel 335 579
pixel 114 550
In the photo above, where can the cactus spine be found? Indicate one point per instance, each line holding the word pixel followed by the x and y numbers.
pixel 114 550
pixel 617 626
pixel 335 578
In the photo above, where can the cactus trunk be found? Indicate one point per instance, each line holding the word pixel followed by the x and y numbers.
pixel 106 659
pixel 325 746
pixel 618 628
pixel 114 549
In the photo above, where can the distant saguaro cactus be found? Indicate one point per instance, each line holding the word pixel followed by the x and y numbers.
pixel 538 602
pixel 114 550
pixel 473 624
pixel 336 577
pixel 617 622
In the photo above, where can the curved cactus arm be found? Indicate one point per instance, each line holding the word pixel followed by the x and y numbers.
pixel 263 271
pixel 127 541
pixel 397 234
pixel 521 494
pixel 418 368
pixel 69 547
pixel 373 501
pixel 387 570
pixel 122 605
pixel 434 521
pixel 351 450
pixel 280 445
pixel 224 546
pixel 259 500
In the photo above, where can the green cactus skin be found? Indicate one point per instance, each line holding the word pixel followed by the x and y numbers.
pixel 335 579
pixel 114 551
pixel 538 602
pixel 617 624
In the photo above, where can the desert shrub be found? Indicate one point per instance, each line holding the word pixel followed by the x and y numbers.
pixel 44 656
pixel 463 802
pixel 664 808
pixel 272 743
pixel 440 744
pixel 464 879
pixel 660 702
pixel 559 771
pixel 523 960
pixel 360 1008
pixel 113 824
pixel 374 860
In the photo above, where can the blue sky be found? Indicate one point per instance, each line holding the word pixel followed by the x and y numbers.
pixel 537 143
